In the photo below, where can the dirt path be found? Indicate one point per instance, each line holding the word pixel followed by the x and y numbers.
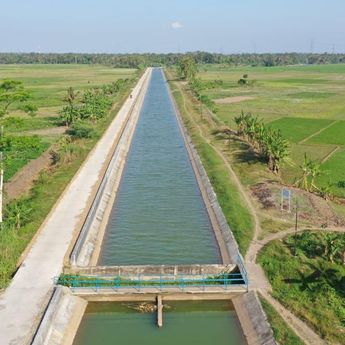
pixel 258 280
pixel 47 131
pixel 234 99
pixel 308 336
pixel 330 154
pixel 279 235
pixel 22 181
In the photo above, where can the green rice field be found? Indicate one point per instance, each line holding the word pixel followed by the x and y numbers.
pixel 306 103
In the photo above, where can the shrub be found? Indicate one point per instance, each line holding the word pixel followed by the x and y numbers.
pixel 81 130
pixel 17 214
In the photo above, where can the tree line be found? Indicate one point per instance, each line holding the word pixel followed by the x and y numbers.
pixel 169 59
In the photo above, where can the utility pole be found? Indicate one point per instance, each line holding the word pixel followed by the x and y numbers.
pixel 296 227
pixel 1 178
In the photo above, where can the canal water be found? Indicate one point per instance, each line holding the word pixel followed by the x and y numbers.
pixel 185 323
pixel 159 216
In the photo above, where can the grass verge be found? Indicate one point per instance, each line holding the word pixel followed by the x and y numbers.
pixel 310 284
pixel 283 334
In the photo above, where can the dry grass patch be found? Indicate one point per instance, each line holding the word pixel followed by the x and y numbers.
pixel 234 99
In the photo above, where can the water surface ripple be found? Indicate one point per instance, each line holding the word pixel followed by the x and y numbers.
pixel 158 216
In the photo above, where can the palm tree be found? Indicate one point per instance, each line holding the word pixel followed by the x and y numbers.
pixel 276 149
pixel 71 96
pixel 310 171
pixel 241 123
pixel 17 214
pixel 261 133
pixel 332 246
pixel 303 181
pixel 315 171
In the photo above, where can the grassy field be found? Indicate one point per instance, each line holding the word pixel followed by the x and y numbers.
pixel 48 84
pixel 305 102
pixel 308 283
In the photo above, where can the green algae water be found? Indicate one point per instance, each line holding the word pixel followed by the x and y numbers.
pixel 185 323
pixel 159 216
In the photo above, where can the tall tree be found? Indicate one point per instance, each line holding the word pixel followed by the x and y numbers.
pixel 12 92
pixel 187 68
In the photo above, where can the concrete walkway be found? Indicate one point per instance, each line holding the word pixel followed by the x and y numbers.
pixel 24 301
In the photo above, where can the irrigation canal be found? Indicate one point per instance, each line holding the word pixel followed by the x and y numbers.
pixel 159 217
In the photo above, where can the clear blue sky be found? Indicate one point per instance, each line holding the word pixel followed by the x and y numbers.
pixel 228 26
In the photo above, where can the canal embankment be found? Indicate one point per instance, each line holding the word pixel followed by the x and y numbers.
pixel 24 301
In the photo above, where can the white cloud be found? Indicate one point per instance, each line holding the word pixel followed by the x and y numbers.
pixel 176 25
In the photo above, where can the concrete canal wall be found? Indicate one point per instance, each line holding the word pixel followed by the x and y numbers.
pixel 62 318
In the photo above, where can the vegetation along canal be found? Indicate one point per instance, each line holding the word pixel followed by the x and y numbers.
pixel 159 216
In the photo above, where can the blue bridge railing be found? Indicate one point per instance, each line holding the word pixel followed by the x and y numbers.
pixel 163 281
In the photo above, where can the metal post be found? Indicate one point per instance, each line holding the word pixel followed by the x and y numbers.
pixel 1 178
pixel 296 227
pixel 1 185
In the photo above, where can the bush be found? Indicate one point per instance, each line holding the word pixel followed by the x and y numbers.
pixel 17 214
pixel 19 150
pixel 311 283
pixel 55 157
pixel 81 130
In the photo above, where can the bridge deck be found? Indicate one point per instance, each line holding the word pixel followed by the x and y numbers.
pixel 216 290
